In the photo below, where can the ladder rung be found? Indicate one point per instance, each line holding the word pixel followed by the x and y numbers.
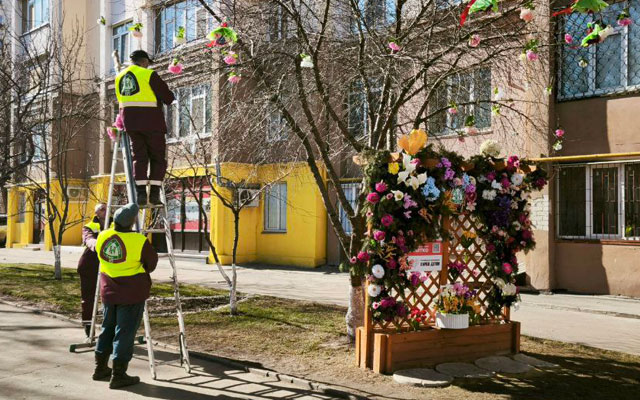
pixel 152 206
pixel 168 335
pixel 120 183
pixel 177 360
pixel 158 230
pixel 163 255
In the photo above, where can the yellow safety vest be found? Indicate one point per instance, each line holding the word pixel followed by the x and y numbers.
pixel 94 227
pixel 133 88
pixel 120 253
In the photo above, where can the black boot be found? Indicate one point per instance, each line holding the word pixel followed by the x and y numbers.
pixel 102 370
pixel 119 378
pixel 87 330
pixel 141 194
pixel 154 195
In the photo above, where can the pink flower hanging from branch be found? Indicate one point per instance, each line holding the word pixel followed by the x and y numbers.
pixel 175 67
pixel 233 78
pixel 394 47
pixel 474 40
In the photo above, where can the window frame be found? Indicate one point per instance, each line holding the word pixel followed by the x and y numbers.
pixel 189 9
pixel 589 202
pixel 592 90
pixel 281 127
pixel 126 33
pixel 30 25
pixel 281 200
pixel 354 189
pixel 358 90
pixel 174 115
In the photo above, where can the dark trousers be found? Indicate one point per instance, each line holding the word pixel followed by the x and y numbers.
pixel 121 322
pixel 88 271
pixel 148 148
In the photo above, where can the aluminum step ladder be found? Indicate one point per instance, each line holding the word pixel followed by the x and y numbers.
pixel 150 216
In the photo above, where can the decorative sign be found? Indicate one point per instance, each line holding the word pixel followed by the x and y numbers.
pixel 426 258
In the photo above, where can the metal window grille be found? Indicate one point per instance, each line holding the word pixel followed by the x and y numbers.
pixel 610 67
pixel 598 201
pixel 351 191
pixel 472 87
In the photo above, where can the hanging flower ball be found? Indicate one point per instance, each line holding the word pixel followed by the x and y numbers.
pixel 624 18
pixel 222 36
pixel 559 132
pixel 230 58
pixel 526 14
pixel 180 37
pixel 557 146
pixel 374 290
pixel 119 124
pixel 377 271
pixel 474 40
pixel 136 30
pixel 175 67
pixel 102 21
pixel 233 78
pixel 112 133
pixel 452 110
pixel 306 62
pixel 568 39
pixel 394 47
pixel 532 55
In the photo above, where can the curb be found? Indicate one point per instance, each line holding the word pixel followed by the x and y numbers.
pixel 299 382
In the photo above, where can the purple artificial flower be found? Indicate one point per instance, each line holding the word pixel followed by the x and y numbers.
pixel 491 176
pixel 505 182
pixel 449 174
pixel 409 202
pixel 407 214
pixel 392 264
pixel 445 162
pixel 471 188
pixel 389 196
pixel 415 278
pixel 388 302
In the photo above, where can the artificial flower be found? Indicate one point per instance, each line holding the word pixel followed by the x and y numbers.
pixel 409 202
pixel 568 39
pixel 526 14
pixel 373 197
pixel 490 148
pixel 394 47
pixel 489 194
pixel 233 78
pixel 517 179
pixel 509 289
pixel 413 142
pixel 557 146
pixel 112 132
pixel 624 18
pixel 393 168
pixel 397 195
pixel 386 220
pixel 583 63
pixel 374 290
pixel 180 37
pixel 377 271
pixel 452 110
pixel 102 21
pixel 496 185
pixel 559 133
pixel 136 30
pixel 474 40
pixel 363 256
pixel 381 187
pixel 407 177
pixel 379 235
pixel 507 268
pixel 231 58
pixel 175 67
pixel 306 62
pixel 119 122
pixel 532 55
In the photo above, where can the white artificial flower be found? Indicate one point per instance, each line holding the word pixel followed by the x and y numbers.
pixel 482 179
pixel 407 177
pixel 517 225
pixel 496 185
pixel 514 205
pixel 509 289
pixel 398 195
pixel 606 32
pixel 490 148
pixel 498 94
pixel 472 180
pixel 489 194
pixel 498 281
pixel 517 179
pixel 377 271
pixel 306 62
pixel 374 290
pixel 416 181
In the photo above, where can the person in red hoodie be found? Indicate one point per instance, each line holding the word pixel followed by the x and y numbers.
pixel 141 93
pixel 126 260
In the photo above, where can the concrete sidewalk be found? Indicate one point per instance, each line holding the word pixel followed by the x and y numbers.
pixel 606 322
pixel 35 363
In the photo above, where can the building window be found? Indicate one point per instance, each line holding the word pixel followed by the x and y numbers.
pixel 35 14
pixel 278 27
pixel 121 42
pixel 277 128
pixel 189 15
pixel 351 191
pixel 599 201
pixel 471 92
pixel 39 134
pixel 190 115
pixel 373 14
pixel 361 111
pixel 22 206
pixel 275 208
pixel 612 66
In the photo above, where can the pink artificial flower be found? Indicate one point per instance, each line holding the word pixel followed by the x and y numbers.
pixel 513 162
pixel 452 110
pixel 394 46
pixel 559 133
pixel 474 40
pixel 407 214
pixel 491 247
pixel 363 256
pixel 379 235
pixel 526 14
pixel 527 234
pixel 231 58
pixel 409 202
pixel 112 133
pixel 369 214
pixel 568 39
pixel 388 302
pixel 375 305
pixel 386 220
pixel 491 176
pixel 389 196
pixel 506 267
pixel 373 197
pixel 505 182
pixel 381 187
pixel 175 69
pixel 119 122
pixel 624 22
pixel 392 264
pixel 353 260
pixel 532 55
pixel 233 78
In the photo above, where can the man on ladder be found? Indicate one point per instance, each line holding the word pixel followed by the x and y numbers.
pixel 141 93
pixel 88 265
pixel 126 260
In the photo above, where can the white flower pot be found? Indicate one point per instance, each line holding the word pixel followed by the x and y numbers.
pixel 452 321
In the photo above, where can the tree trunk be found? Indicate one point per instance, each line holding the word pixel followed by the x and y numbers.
pixel 57 265
pixel 233 300
pixel 355 313
pixel 233 303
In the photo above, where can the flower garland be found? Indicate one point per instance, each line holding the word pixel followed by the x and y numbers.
pixel 406 197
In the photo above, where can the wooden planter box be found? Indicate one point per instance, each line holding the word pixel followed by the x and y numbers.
pixel 389 352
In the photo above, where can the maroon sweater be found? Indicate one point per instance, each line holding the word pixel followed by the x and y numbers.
pixel 149 119
pixel 130 289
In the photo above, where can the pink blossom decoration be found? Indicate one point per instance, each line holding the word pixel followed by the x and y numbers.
pixel 231 58
pixel 394 46
pixel 526 14
pixel 112 133
pixel 379 235
pixel 392 264
pixel 363 256
pixel 452 110
pixel 175 69
pixel 119 122
pixel 532 55
pixel 386 220
pixel 507 268
pixel 353 260
pixel 559 132
pixel 474 40
pixel 233 78
pixel 381 187
pixel 373 197
pixel 624 21
pixel 568 39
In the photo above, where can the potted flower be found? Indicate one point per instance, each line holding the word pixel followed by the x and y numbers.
pixel 136 29
pixel 454 307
